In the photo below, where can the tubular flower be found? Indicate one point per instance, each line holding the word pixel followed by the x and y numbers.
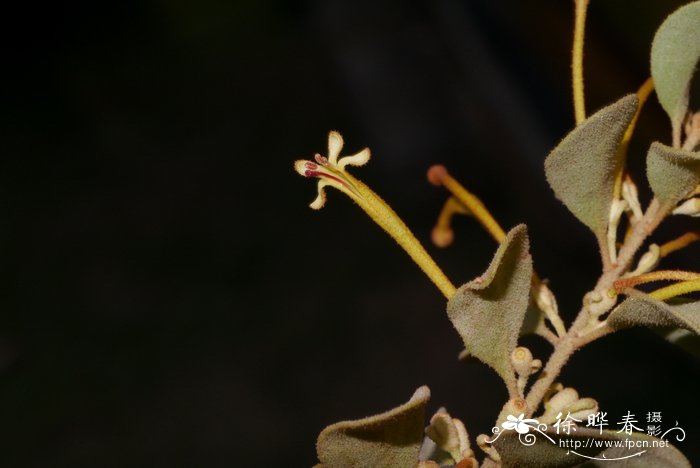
pixel 330 171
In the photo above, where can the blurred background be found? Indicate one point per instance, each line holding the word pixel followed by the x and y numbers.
pixel 168 297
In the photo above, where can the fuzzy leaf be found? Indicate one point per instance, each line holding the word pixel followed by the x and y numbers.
pixel 582 168
pixel 544 453
pixel 674 54
pixel 488 312
pixel 672 173
pixel 392 438
pixel 642 310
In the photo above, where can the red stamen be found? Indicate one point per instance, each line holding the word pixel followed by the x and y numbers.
pixel 325 174
pixel 323 161
pixel 310 165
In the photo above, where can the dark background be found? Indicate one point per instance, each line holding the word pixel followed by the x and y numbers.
pixel 168 298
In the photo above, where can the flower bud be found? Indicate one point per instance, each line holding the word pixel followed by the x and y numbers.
pixel 689 207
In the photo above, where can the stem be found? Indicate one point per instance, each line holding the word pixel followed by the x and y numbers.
pixel 577 61
pixel 676 133
pixel 467 201
pixel 677 289
pixel 387 219
pixel 659 275
pixel 595 304
pixel 547 334
pixel 442 234
pixel 438 175
pixel 642 93
pixel 679 243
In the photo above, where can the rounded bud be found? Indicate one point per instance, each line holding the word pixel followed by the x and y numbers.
pixel 521 358
pixel 442 237
pixel 436 174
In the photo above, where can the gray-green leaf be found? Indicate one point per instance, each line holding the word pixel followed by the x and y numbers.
pixel 674 55
pixel 672 173
pixel 582 168
pixel 489 311
pixel 642 310
pixel 388 439
pixel 544 453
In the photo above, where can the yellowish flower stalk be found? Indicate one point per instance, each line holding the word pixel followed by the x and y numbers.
pixel 331 172
pixel 438 175
pixel 679 243
pixel 443 234
pixel 678 289
pixel 469 204
pixel 659 275
pixel 577 61
pixel 643 94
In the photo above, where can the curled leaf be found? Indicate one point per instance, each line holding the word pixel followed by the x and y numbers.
pixel 672 173
pixel 488 311
pixel 392 438
pixel 674 54
pixel 582 168
pixel 642 310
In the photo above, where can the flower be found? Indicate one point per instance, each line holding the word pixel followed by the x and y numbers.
pixel 520 425
pixel 331 171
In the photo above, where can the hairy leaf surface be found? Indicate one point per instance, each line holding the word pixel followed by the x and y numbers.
pixel 672 173
pixel 642 310
pixel 488 312
pixel 674 55
pixel 392 438
pixel 582 168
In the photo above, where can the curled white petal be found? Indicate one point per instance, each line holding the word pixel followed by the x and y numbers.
pixel 359 159
pixel 300 167
pixel 689 207
pixel 320 199
pixel 335 145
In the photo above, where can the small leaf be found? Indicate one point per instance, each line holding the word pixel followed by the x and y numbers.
pixel 672 173
pixel 392 438
pixel 674 54
pixel 488 312
pixel 582 168
pixel 544 453
pixel 642 310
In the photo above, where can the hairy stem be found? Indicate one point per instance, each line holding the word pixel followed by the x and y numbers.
pixel 596 303
pixel 577 61
pixel 659 275
pixel 387 219
pixel 677 289
pixel 438 175
pixel 679 243
pixel 470 204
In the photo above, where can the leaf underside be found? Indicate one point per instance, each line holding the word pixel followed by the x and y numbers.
pixel 672 173
pixel 642 310
pixel 388 439
pixel 674 55
pixel 488 312
pixel 582 169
